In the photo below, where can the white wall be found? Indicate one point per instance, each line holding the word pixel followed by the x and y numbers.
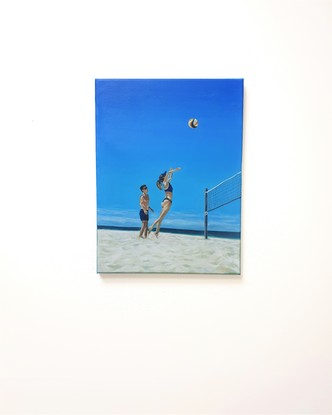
pixel 73 342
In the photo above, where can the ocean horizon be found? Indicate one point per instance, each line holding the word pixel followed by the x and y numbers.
pixel 214 234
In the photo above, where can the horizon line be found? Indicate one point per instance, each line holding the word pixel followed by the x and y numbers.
pixel 217 234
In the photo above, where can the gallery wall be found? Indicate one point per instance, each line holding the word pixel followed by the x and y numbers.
pixel 75 342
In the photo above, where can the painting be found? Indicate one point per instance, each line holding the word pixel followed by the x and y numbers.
pixel 169 175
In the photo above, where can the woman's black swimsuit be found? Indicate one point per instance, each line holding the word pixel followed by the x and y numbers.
pixel 170 190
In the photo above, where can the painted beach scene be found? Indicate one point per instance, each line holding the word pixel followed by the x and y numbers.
pixel 169 175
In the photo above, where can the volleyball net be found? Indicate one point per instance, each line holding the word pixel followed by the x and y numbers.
pixel 220 195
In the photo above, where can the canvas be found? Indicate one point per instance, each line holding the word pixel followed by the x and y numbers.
pixel 169 175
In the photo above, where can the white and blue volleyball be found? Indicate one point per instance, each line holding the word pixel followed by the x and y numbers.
pixel 193 123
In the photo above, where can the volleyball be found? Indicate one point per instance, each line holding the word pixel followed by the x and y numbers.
pixel 193 123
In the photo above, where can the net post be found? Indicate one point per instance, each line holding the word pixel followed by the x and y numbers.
pixel 205 215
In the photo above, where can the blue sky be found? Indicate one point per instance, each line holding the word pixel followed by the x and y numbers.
pixel 142 130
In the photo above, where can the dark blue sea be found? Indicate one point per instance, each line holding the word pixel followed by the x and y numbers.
pixel 213 234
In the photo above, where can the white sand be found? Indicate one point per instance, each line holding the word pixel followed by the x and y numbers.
pixel 124 252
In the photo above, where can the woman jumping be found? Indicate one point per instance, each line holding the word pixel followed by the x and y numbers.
pixel 163 183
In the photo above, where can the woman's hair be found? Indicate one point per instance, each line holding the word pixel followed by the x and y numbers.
pixel 160 180
pixel 159 185
pixel 162 176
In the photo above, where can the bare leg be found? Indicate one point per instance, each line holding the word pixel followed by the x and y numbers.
pixel 163 214
pixel 158 221
pixel 143 228
pixel 158 229
pixel 153 225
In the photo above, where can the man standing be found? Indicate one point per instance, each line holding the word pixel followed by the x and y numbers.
pixel 144 212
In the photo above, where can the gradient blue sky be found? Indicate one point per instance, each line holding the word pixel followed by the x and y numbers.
pixel 142 130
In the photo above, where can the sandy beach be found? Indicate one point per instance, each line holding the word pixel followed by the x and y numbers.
pixel 124 252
